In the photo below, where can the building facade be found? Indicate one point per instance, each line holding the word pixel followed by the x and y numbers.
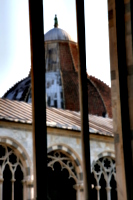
pixel 64 158
pixel 64 152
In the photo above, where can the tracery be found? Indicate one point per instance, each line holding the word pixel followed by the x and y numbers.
pixel 65 162
pixel 104 179
pixel 11 174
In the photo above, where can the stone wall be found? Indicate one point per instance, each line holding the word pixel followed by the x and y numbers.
pixel 24 138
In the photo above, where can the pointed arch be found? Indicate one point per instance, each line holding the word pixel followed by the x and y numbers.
pixel 20 150
pixel 65 148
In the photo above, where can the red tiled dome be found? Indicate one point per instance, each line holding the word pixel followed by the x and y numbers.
pixel 62 66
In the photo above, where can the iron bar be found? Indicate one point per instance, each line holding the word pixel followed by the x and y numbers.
pixel 38 98
pixel 83 99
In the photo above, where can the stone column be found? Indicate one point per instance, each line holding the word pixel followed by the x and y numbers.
pixel 108 189
pixel 29 186
pixel 79 191
pixel 13 180
pixel 98 192
pixel 24 189
pixel 1 187
pixel 121 62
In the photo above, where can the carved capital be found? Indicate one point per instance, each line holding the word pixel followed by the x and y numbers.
pixel 98 187
pixel 1 180
pixel 13 180
pixel 108 188
pixel 79 186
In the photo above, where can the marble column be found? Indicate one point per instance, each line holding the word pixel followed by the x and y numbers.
pixel 1 187
pixel 108 189
pixel 13 180
pixel 98 192
pixel 29 186
pixel 24 189
pixel 79 191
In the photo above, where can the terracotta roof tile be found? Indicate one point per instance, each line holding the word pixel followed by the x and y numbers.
pixel 21 112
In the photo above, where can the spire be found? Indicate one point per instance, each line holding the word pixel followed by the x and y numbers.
pixel 55 22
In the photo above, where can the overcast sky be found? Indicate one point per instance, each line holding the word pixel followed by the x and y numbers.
pixel 15 41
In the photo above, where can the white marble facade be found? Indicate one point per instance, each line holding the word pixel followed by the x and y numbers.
pixel 24 138
pixel 21 139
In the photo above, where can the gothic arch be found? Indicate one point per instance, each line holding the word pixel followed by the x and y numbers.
pixel 104 154
pixel 104 177
pixel 15 170
pixel 68 150
pixel 19 150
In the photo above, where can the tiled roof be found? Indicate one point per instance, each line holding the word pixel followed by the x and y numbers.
pixel 16 111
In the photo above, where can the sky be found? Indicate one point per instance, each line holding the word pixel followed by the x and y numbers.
pixel 15 40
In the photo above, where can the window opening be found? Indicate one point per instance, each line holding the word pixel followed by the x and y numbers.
pixel 104 179
pixel 62 176
pixel 12 174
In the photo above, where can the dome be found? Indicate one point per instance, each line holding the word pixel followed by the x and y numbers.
pixel 21 91
pixel 62 83
pixel 57 34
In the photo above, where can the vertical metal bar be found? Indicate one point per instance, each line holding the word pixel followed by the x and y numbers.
pixel 38 98
pixel 131 10
pixel 83 98
pixel 122 67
